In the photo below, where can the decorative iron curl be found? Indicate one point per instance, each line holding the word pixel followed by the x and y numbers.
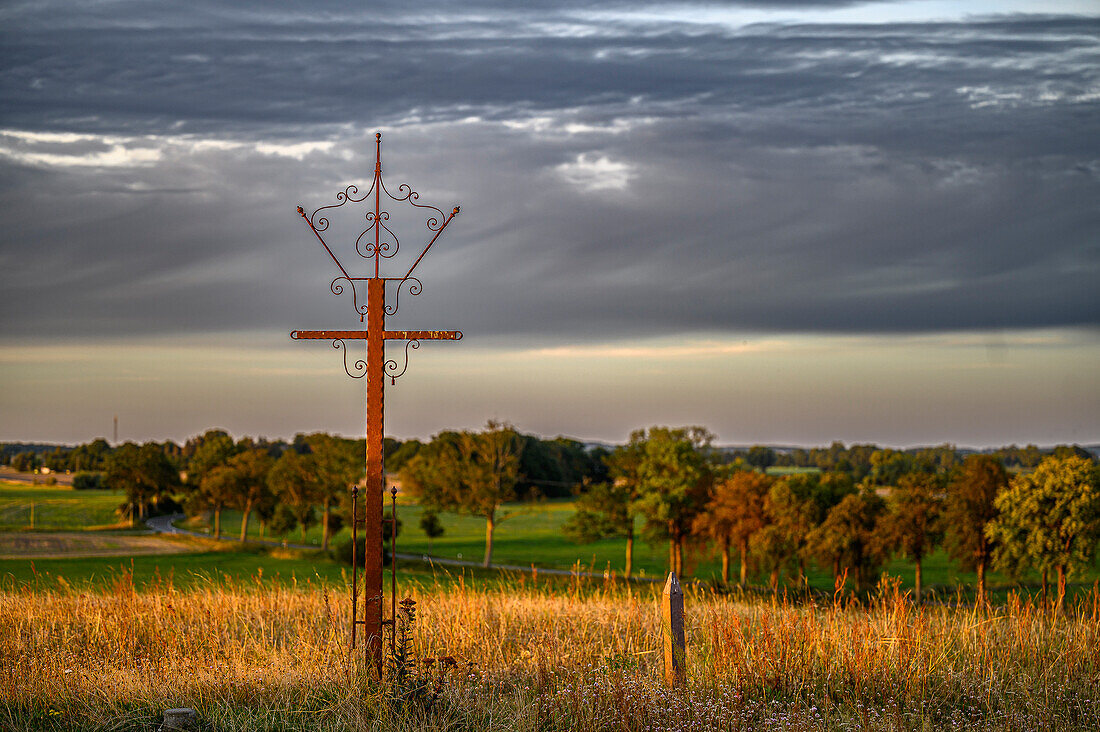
pixel 359 365
pixel 391 365
pixel 345 196
pixel 415 288
pixel 338 289
pixel 433 223
pixel 368 250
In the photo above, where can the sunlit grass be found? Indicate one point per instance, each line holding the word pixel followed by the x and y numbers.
pixel 253 655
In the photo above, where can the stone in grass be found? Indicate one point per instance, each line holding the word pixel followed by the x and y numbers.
pixel 183 718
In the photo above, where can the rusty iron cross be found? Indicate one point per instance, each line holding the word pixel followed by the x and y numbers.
pixel 376 242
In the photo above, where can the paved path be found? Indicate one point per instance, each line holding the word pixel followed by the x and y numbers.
pixel 166 525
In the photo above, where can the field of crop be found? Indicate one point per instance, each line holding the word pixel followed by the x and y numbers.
pixel 578 658
pixel 57 508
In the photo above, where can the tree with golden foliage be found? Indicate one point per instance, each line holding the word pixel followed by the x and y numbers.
pixel 969 507
pixel 912 523
pixel 847 536
pixel 735 512
pixel 1049 519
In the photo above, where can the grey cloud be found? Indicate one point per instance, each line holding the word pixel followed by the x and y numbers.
pixel 895 177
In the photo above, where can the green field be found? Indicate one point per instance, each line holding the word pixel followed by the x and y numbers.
pixel 57 508
pixel 239 568
pixel 532 535
pixel 790 470
pixel 529 534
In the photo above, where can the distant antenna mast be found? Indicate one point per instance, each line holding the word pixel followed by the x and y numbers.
pixel 116 429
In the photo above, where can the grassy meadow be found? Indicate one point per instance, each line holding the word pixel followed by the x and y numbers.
pixel 255 638
pixel 577 658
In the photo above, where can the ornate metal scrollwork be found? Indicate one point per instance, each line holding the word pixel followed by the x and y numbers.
pixel 384 245
pixel 360 365
pixel 383 248
pixel 415 288
pixel 433 223
pixel 391 365
pixel 338 289
pixel 348 195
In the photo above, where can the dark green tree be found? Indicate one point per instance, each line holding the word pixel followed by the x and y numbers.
pixel 90 456
pixel 760 456
pixel 607 509
pixel 143 473
pixel 339 464
pixel 473 473
pixel 219 488
pixel 675 473
pixel 251 468
pixel 604 511
pixel 293 480
pixel 212 449
pixel 795 506
pixel 25 462
pixel 431 526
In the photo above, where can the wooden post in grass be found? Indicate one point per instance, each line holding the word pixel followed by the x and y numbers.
pixel 672 630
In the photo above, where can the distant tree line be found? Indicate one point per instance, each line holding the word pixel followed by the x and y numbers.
pixel 860 507
pixel 884 465
pixel 281 485
pixel 845 509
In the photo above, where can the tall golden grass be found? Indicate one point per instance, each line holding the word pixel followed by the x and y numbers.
pixel 271 657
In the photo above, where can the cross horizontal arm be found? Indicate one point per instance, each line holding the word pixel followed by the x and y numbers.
pixel 336 335
pixel 390 335
pixel 422 335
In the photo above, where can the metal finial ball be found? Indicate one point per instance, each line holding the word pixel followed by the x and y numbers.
pixel 455 212
pixel 378 135
pixel 302 211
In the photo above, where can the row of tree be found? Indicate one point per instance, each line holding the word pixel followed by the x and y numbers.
pixel 283 486
pixel 883 466
pixel 670 480
pixel 297 484
pixel 669 485
pixel 553 467
pixel 547 467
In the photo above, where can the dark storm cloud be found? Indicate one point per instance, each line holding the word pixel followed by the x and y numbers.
pixel 618 176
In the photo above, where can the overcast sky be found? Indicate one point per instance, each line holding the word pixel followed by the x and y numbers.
pixel 791 222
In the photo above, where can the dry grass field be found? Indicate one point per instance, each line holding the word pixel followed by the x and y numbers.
pixel 261 657
pixel 35 545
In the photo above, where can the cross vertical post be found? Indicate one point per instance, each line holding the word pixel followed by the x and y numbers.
pixel 376 472
pixel 376 242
